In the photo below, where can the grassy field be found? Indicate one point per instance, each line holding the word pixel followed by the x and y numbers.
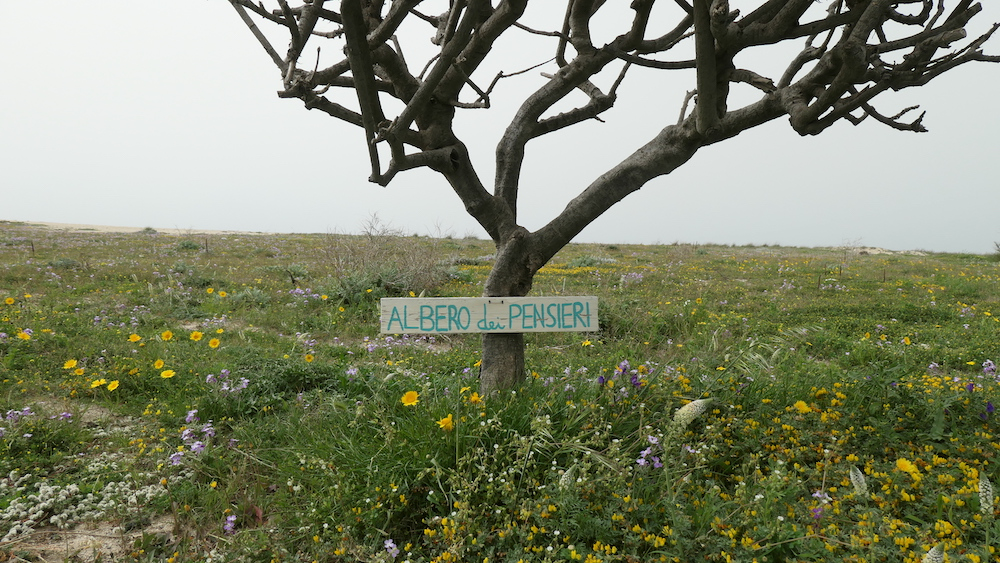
pixel 228 397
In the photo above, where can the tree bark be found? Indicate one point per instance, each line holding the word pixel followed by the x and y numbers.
pixel 513 270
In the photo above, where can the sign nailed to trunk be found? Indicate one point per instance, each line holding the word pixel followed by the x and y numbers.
pixel 488 314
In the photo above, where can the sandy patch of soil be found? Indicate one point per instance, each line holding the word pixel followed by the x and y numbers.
pixel 99 541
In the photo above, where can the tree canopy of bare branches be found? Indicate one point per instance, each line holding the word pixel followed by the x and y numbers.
pixel 406 71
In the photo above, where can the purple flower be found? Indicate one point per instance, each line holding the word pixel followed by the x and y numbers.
pixel 989 407
pixel 192 416
pixel 989 368
pixel 210 378
pixel 970 386
pixel 642 461
pixel 817 512
pixel 230 525
pixel 656 462
pixel 175 458
pixel 198 447
pixel 208 430
pixel 390 548
pixel 653 440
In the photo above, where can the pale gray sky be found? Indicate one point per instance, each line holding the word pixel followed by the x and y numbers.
pixel 164 114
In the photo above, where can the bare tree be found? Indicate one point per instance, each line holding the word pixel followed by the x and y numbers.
pixel 850 51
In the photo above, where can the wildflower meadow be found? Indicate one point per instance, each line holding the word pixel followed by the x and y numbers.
pixel 227 397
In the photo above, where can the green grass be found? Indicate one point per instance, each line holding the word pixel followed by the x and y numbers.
pixel 236 385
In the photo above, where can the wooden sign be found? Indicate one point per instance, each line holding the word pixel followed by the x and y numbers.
pixel 442 315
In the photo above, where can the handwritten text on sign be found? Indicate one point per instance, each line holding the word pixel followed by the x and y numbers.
pixel 488 314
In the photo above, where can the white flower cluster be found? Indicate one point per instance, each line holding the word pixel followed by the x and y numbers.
pixel 65 506
pixel 935 555
pixel 690 411
pixel 985 495
pixel 858 480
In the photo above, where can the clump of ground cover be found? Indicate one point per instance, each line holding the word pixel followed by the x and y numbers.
pixel 739 404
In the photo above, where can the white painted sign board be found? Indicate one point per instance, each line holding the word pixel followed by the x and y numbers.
pixel 444 315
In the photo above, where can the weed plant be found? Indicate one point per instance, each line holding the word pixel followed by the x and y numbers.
pixel 739 404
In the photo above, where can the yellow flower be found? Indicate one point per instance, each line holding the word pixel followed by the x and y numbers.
pixel 70 364
pixel 309 358
pixel 113 385
pixel 158 364
pixel 9 301
pixel 410 398
pixel 223 294
pixel 802 407
pixel 24 335
pixel 906 340
pixel 586 343
pixel 210 290
pixel 341 309
pixel 167 374
pixel 475 399
pixel 97 383
pixel 214 343
pixel 134 337
pixel 78 371
pixel 196 336
pixel 447 423
pixel 166 335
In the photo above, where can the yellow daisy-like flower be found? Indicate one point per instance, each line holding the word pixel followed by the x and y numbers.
pixel 223 294
pixel 907 341
pixel 24 335
pixel 447 423
pixel 210 290
pixel 158 364
pixel 166 335
pixel 802 407
pixel 97 383
pixel 167 374
pixel 78 371
pixel 9 301
pixel 70 364
pixel 113 385
pixel 410 398
pixel 214 343
pixel 196 336
pixel 475 399
pixel 134 337
pixel 309 358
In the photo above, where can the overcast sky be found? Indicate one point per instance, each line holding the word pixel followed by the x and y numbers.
pixel 164 114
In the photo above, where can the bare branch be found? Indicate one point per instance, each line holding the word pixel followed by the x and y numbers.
pixel 359 55
pixel 278 61
pixel 704 43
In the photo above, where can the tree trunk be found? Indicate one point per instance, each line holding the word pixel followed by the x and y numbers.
pixel 503 362
pixel 503 353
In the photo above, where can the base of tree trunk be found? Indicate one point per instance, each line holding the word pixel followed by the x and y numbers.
pixel 503 362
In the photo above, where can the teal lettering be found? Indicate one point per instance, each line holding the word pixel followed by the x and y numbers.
pixel 511 315
pixel 565 311
pixel 455 317
pixel 440 316
pixel 406 324
pixel 577 309
pixel 552 315
pixel 394 316
pixel 426 315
